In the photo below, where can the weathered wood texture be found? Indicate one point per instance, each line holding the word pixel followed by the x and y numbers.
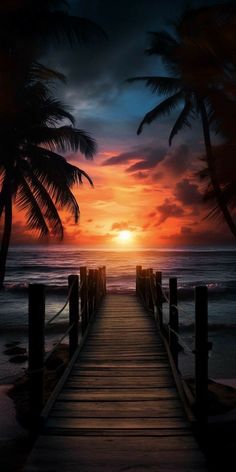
pixel 119 409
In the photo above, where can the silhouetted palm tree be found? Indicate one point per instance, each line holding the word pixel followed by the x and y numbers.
pixel 201 79
pixel 33 174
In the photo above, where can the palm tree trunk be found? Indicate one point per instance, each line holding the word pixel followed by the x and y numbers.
pixel 211 166
pixel 6 236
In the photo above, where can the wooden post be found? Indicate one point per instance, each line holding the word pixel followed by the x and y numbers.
pixel 36 350
pixel 201 351
pixel 73 283
pixel 104 280
pixel 150 304
pixel 90 292
pixel 173 296
pixel 159 297
pixel 138 274
pixel 101 283
pixel 144 286
pixel 173 317
pixel 173 338
pixel 96 288
pixel 84 298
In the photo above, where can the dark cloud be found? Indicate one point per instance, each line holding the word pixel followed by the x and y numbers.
pixel 188 193
pixel 149 162
pixel 149 158
pixel 123 158
pixel 179 160
pixel 167 210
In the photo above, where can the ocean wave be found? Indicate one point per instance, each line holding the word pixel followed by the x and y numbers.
pixel 118 284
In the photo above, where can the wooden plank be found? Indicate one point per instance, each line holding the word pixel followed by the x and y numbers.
pixel 118 382
pixel 117 423
pixel 123 364
pixel 117 409
pixel 171 432
pixel 118 394
pixel 121 374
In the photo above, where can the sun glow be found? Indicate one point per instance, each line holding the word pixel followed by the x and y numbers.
pixel 124 236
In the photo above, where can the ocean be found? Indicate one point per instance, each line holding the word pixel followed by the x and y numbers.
pixel 51 265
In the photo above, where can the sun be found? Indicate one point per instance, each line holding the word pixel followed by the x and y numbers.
pixel 124 236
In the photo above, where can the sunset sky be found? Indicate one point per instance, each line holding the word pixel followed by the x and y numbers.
pixel 141 186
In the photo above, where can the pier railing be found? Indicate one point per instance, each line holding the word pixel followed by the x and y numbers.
pixel 85 292
pixel 149 289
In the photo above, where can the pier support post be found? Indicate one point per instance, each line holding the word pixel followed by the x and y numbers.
pixel 84 298
pixel 36 351
pixel 73 283
pixel 174 330
pixel 173 318
pixel 159 296
pixel 201 351
pixel 138 275
pixel 90 292
pixel 150 304
pixel 96 288
pixel 104 280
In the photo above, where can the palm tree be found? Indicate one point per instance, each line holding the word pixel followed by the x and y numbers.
pixel 33 173
pixel 201 79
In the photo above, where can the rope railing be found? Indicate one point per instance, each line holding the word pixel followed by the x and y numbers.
pixel 55 347
pixel 54 317
pixel 85 293
pixel 149 289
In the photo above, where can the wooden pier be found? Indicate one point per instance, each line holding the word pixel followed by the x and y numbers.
pixel 119 409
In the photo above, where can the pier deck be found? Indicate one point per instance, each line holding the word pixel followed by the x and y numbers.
pixel 119 410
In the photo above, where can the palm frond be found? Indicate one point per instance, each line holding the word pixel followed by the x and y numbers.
pixel 26 201
pixel 182 120
pixel 57 176
pixel 38 71
pixel 164 108
pixel 161 43
pixel 64 138
pixel 163 85
pixel 52 165
pixel 46 203
pixel 52 111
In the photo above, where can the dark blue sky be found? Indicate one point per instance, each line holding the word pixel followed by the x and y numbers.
pixel 102 101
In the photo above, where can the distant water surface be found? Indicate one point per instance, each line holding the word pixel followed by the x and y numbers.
pixel 52 265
